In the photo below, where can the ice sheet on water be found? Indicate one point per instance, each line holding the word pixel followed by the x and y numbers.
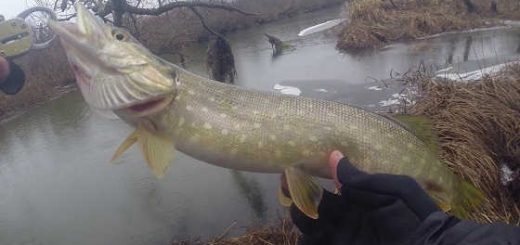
pixel 472 75
pixel 320 27
pixel 376 88
pixel 506 175
pixel 287 89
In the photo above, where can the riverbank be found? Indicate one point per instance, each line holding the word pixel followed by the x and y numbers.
pixel 374 23
pixel 47 71
pixel 281 233
pixel 478 125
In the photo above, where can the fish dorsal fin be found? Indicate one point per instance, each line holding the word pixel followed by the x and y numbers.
pixel 305 192
pixel 158 150
pixel 127 143
pixel 422 128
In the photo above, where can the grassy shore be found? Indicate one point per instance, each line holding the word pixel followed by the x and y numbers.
pixel 478 124
pixel 375 23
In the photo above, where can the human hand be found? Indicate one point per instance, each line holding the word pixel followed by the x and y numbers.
pixel 4 69
pixel 372 208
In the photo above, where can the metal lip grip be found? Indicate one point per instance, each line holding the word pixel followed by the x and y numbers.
pixel 16 37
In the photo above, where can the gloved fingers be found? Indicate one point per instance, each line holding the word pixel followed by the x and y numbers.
pixel 397 186
pixel 15 82
pixel 366 199
pixel 330 210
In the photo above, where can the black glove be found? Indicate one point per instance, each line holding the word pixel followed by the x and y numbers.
pixel 14 82
pixel 372 209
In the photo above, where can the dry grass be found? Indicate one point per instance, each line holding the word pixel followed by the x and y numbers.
pixel 478 125
pixel 374 23
pixel 284 233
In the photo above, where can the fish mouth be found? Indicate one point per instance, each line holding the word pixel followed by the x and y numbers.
pixel 85 36
pixel 149 107
pixel 112 73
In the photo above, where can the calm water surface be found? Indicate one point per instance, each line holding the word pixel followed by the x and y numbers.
pixel 57 187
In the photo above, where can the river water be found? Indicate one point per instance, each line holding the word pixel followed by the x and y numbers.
pixel 57 186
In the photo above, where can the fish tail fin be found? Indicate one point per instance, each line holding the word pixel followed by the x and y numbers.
pixel 467 199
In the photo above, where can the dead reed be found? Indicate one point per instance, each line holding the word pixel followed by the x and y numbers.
pixel 375 23
pixel 478 124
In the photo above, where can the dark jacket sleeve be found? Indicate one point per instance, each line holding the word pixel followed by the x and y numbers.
pixel 14 82
pixel 441 229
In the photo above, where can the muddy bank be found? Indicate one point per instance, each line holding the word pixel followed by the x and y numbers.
pixel 375 23
pixel 47 70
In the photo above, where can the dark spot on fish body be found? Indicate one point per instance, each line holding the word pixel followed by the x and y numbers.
pixel 431 186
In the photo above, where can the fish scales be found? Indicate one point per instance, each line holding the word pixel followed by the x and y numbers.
pixel 263 131
pixel 173 109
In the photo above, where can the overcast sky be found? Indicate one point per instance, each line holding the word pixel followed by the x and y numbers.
pixel 11 8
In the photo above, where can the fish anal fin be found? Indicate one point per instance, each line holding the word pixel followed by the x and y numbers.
pixel 305 192
pixel 158 150
pixel 127 143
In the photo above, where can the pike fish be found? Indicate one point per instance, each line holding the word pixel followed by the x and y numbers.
pixel 232 127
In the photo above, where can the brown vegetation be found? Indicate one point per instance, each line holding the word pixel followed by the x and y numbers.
pixel 284 233
pixel 478 124
pixel 374 23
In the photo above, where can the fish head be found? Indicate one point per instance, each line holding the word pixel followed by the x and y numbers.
pixel 113 70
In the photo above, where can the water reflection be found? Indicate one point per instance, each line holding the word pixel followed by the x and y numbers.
pixel 467 48
pixel 250 189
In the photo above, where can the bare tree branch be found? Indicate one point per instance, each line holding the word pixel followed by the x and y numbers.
pixel 169 6
pixel 203 22
pixel 63 5
pixel 68 17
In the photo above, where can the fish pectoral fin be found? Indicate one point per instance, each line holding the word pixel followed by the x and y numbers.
pixel 158 150
pixel 305 192
pixel 129 141
pixel 283 199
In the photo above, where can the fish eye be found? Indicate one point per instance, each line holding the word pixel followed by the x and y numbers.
pixel 120 36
